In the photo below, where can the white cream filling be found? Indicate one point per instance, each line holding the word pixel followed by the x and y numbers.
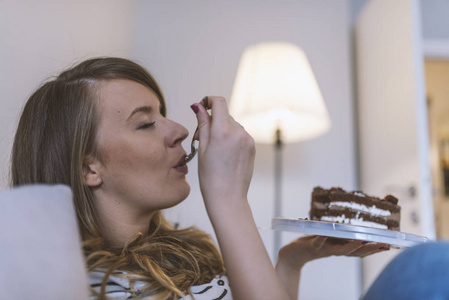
pixel 356 206
pixel 355 221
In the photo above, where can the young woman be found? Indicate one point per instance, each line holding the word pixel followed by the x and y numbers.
pixel 100 128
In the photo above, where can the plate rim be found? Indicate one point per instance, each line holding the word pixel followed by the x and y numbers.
pixel 348 231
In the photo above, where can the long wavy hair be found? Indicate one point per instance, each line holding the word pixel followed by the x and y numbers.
pixel 56 131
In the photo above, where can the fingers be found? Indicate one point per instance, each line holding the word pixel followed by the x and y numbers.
pixel 313 247
pixel 328 246
pixel 369 249
pixel 218 107
pixel 367 253
pixel 318 241
pixel 219 112
pixel 358 248
pixel 219 117
pixel 204 121
pixel 205 102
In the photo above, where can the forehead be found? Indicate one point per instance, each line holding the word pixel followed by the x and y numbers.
pixel 119 97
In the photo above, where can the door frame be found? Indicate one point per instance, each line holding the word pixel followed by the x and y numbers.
pixel 435 49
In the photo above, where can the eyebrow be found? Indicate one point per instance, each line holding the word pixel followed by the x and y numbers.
pixel 145 109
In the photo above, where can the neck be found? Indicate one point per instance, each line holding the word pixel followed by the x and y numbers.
pixel 118 223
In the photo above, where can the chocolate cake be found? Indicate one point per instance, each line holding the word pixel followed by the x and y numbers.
pixel 356 208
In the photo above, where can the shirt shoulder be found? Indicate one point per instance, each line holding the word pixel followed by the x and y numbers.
pixel 118 287
pixel 217 289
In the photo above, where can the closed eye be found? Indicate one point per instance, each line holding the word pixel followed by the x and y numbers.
pixel 146 125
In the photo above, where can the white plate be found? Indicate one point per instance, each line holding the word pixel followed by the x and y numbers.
pixel 346 231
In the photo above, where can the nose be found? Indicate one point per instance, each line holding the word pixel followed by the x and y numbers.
pixel 178 133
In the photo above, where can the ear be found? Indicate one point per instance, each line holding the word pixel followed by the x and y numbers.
pixel 91 174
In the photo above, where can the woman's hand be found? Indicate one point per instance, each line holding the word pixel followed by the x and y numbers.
pixel 225 167
pixel 312 247
pixel 225 155
pixel 295 255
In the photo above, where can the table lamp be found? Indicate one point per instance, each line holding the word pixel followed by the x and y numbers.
pixel 277 100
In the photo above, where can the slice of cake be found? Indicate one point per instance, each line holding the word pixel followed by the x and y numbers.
pixel 356 208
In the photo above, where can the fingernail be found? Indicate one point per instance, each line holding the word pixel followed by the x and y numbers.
pixel 195 108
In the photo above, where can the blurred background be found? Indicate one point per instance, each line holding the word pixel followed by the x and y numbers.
pixel 381 67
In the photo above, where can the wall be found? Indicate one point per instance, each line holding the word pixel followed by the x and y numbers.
pixel 193 48
pixel 435 23
pixel 40 38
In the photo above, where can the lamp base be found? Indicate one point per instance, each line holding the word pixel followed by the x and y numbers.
pixel 278 145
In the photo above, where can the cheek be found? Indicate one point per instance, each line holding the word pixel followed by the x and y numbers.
pixel 136 159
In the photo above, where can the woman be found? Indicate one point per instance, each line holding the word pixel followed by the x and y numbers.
pixel 100 128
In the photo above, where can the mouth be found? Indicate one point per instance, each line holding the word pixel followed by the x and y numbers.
pixel 181 166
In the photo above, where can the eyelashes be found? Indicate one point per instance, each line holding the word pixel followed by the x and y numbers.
pixel 146 125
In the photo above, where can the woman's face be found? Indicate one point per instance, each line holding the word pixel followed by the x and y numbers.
pixel 141 160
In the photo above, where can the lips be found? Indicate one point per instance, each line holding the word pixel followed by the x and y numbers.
pixel 181 161
pixel 181 166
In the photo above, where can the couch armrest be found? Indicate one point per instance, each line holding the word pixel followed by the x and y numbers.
pixel 40 247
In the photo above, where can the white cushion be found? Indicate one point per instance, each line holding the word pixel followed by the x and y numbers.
pixel 40 247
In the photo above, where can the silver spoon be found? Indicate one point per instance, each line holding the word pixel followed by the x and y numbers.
pixel 193 148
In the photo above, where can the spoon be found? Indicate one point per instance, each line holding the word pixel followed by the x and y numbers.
pixel 193 148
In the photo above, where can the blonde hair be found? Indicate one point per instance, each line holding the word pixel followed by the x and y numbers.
pixel 56 131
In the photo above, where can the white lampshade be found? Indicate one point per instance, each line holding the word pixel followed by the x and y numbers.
pixel 275 89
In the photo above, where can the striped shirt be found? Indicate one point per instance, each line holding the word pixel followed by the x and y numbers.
pixel 119 288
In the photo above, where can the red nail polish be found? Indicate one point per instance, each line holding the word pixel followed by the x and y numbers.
pixel 195 108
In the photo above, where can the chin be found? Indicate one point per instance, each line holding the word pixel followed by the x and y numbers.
pixel 182 194
pixel 186 192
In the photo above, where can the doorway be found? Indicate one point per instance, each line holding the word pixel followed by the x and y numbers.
pixel 437 89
